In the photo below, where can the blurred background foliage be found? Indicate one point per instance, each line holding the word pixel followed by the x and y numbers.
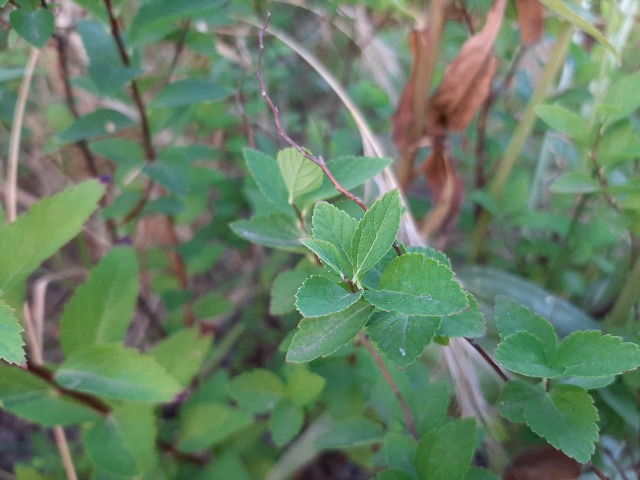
pixel 158 99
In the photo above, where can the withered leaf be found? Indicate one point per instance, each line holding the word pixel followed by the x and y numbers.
pixel 531 20
pixel 467 81
pixel 447 189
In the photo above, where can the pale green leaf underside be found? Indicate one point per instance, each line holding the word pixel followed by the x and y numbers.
pixel 264 172
pixel 115 371
pixel 320 336
pixel 300 174
pixel 416 285
pixel 320 296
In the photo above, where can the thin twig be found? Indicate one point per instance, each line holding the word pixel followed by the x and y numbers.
pixel 276 116
pixel 597 471
pixel 16 132
pixel 176 54
pixel 615 462
pixel 35 348
pixel 488 359
pixel 149 150
pixel 88 400
pixel 387 376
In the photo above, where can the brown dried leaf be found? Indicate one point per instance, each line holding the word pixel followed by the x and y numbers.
pixel 410 120
pixel 542 463
pixel 531 20
pixel 467 81
pixel 447 190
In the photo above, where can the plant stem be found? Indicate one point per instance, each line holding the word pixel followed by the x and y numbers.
pixel 389 379
pixel 628 296
pixel 520 135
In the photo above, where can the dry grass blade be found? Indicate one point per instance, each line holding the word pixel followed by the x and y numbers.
pixel 467 81
pixel 531 20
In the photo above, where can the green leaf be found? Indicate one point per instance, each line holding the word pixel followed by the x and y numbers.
pixel 623 97
pixel 35 236
pixel 512 317
pixel 393 474
pixel 124 442
pixel 268 179
pixel 575 182
pixel 154 15
pixel 257 390
pixel 182 353
pixel 591 354
pixel 320 296
pixel 36 26
pixel 34 399
pixel 190 91
pixel 417 285
pixel 205 424
pixel 467 323
pixel 400 452
pixel 514 397
pixel 115 371
pixel 105 65
pixel 336 227
pixel 523 353
pixel 276 231
pixel 303 386
pixel 172 173
pixel 564 12
pixel 350 172
pixel 566 417
pixel 99 123
pixel 101 309
pixel 287 283
pixel 564 121
pixel 431 253
pixel 375 233
pixel 320 336
pixel 477 473
pixel 300 174
pixel 286 422
pixel 11 343
pixel 326 252
pixel 351 432
pixel 436 460
pixel 400 336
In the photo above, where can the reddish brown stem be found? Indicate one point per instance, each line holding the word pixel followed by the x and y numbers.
pixel 597 471
pixel 276 116
pixel 488 359
pixel 86 399
pixel 389 379
pixel 149 150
